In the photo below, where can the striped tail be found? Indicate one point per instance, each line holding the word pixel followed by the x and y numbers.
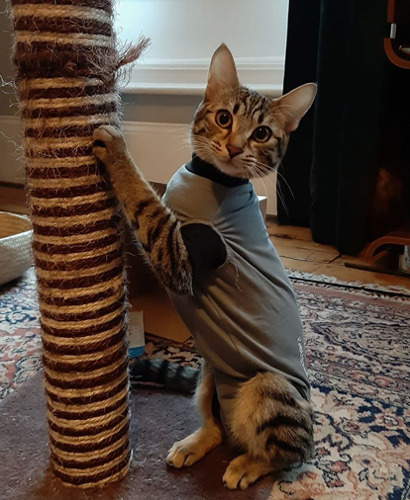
pixel 161 372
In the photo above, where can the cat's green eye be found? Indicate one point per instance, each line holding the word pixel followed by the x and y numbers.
pixel 262 134
pixel 223 118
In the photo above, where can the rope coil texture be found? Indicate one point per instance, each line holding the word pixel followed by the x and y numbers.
pixel 67 64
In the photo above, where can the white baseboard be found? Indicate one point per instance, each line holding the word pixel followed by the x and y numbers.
pixel 159 149
pixel 189 76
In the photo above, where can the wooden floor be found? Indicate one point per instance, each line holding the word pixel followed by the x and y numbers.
pixel 294 245
pixel 13 199
pixel 300 253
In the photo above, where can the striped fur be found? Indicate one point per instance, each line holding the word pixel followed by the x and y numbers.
pixel 156 227
pixel 249 111
pixel 250 115
pixel 244 135
pixel 281 431
pixel 272 424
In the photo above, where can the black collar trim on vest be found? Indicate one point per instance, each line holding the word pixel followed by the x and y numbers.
pixel 209 171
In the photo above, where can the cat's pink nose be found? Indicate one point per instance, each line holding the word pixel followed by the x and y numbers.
pixel 233 150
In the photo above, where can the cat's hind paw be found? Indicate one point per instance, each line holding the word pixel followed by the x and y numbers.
pixel 244 471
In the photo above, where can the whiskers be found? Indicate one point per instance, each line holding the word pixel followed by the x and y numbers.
pixel 259 170
pixel 207 147
pixel 282 178
pixel 279 191
pixel 255 168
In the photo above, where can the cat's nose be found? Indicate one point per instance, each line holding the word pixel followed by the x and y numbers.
pixel 233 150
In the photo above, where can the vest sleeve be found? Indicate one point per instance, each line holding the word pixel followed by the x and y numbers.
pixel 206 247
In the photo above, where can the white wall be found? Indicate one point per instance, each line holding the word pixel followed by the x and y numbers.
pixel 185 33
pixel 191 29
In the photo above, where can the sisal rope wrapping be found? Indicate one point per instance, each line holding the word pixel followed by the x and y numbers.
pixel 66 65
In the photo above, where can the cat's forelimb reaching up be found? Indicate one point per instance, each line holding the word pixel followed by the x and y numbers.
pixel 156 227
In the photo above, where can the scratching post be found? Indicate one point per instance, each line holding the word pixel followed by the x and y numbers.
pixel 66 65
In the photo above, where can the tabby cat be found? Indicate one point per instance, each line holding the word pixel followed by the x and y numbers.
pixel 207 242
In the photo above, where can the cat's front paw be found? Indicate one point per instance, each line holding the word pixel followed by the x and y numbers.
pixel 184 453
pixel 108 144
pixel 191 449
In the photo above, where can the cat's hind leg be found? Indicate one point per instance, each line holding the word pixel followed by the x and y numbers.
pixel 245 470
pixel 272 424
pixel 191 449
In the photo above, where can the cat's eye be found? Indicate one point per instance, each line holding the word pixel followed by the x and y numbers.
pixel 223 118
pixel 262 134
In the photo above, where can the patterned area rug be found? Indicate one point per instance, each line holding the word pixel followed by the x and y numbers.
pixel 359 356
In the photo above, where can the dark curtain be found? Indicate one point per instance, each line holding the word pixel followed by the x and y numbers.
pixel 332 161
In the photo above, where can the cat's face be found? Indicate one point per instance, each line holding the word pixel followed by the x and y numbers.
pixel 239 131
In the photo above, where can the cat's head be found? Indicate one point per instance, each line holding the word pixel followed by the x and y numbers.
pixel 239 131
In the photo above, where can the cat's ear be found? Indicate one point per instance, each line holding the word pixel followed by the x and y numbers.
pixel 222 72
pixel 294 105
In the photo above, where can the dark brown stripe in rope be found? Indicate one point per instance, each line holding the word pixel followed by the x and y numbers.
pixel 105 5
pixel 69 284
pixel 49 193
pixel 64 92
pixel 85 415
pixel 56 60
pixel 87 110
pixel 95 462
pixel 60 152
pixel 78 264
pixel 65 249
pixel 91 227
pixel 94 478
pixel 85 366
pixel 25 51
pixel 86 208
pixel 62 172
pixel 64 132
pixel 91 431
pixel 86 315
pixel 78 299
pixel 71 333
pixel 91 446
pixel 96 398
pixel 63 25
pixel 90 348
pixel 86 383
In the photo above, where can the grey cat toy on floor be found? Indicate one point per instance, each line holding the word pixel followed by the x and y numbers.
pixel 207 242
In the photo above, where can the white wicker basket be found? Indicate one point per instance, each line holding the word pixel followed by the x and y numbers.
pixel 15 246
